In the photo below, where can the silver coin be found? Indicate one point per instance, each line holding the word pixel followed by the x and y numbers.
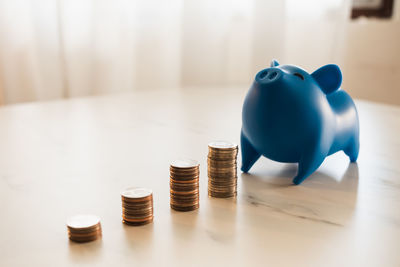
pixel 83 221
pixel 136 192
pixel 184 163
pixel 222 145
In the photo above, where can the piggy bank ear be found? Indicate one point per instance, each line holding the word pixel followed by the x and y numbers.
pixel 329 78
pixel 274 63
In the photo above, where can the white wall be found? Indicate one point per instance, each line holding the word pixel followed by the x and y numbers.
pixel 70 48
pixel 372 62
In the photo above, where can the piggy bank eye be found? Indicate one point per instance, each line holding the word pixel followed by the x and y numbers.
pixel 299 75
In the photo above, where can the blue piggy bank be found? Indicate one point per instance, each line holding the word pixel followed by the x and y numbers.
pixel 292 116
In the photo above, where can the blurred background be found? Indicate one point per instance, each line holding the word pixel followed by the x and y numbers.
pixel 54 49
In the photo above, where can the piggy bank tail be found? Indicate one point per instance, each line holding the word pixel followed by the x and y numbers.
pixel 348 131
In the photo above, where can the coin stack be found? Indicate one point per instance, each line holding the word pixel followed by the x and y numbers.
pixel 184 185
pixel 222 169
pixel 137 206
pixel 84 228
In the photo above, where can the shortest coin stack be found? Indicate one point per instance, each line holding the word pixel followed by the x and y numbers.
pixel 184 185
pixel 137 206
pixel 84 228
pixel 222 169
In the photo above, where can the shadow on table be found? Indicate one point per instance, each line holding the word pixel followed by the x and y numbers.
pixel 184 223
pixel 220 219
pixel 85 252
pixel 139 237
pixel 348 181
pixel 319 198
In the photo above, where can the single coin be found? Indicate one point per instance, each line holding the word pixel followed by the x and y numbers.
pixel 133 219
pixel 215 153
pixel 139 217
pixel 223 157
pixel 135 207
pixel 222 191
pixel 218 195
pixel 222 145
pixel 184 163
pixel 185 179
pixel 184 175
pixel 83 221
pixel 219 185
pixel 136 193
pixel 87 230
pixel 212 170
pixel 174 187
pixel 222 173
pixel 84 239
pixel 185 208
pixel 221 162
pixel 88 235
pixel 138 223
pixel 137 212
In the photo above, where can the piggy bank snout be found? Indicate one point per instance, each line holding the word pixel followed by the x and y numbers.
pixel 269 75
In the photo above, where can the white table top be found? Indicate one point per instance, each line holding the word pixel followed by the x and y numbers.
pixel 63 158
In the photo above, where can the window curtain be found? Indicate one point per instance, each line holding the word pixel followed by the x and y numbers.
pixel 52 49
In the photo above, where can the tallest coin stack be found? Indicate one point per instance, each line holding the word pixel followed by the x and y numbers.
pixel 222 169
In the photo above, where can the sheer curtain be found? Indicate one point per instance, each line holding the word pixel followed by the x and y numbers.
pixel 53 49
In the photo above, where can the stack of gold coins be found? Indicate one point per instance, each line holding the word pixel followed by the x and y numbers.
pixel 137 206
pixel 222 169
pixel 184 185
pixel 84 228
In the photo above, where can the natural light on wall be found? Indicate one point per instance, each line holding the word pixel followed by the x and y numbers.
pixel 53 49
pixel 306 9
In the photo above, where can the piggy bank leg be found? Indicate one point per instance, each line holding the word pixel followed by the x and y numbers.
pixel 352 150
pixel 249 154
pixel 308 164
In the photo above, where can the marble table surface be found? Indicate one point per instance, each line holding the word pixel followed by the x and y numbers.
pixel 61 158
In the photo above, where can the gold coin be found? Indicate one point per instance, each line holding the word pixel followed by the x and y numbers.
pixel 184 185
pixel 134 222
pixel 222 162
pixel 138 223
pixel 137 206
pixel 192 181
pixel 84 239
pixel 185 208
pixel 219 195
pixel 83 228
